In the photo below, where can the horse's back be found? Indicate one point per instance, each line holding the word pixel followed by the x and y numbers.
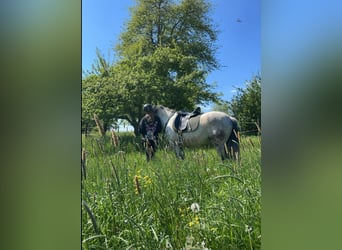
pixel 216 117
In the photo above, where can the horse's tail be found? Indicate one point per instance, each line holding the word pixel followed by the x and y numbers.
pixel 233 142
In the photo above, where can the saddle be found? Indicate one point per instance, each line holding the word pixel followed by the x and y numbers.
pixel 187 121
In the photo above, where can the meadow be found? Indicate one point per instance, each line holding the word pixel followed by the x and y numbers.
pixel 167 203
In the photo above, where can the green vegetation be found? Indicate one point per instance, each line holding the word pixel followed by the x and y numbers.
pixel 163 56
pixel 132 204
pixel 246 106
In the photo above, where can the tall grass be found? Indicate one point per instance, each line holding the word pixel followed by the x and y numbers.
pixel 135 204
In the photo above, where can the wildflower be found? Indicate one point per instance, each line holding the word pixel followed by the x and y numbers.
pixel 203 246
pixel 168 244
pixel 181 211
pixel 248 228
pixel 188 241
pixel 147 181
pixel 195 207
pixel 194 222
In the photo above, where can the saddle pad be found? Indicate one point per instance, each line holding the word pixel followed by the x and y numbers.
pixel 186 123
pixel 193 123
pixel 183 123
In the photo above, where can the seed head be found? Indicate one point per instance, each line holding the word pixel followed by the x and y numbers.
pixel 195 207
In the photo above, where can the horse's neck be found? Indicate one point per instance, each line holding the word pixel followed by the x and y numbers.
pixel 166 115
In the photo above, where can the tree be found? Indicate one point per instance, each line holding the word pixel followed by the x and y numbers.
pixel 98 93
pixel 97 98
pixel 222 106
pixel 164 55
pixel 104 94
pixel 246 106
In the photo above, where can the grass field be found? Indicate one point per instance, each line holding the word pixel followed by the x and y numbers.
pixel 197 203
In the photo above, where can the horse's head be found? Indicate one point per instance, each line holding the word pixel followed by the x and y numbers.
pixel 148 108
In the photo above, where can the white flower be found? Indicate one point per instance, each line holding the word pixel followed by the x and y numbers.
pixel 248 228
pixel 195 207
pixel 203 246
pixel 168 245
pixel 188 241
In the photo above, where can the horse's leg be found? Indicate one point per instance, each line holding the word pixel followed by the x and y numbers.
pixel 179 151
pixel 220 151
pixel 178 146
pixel 233 146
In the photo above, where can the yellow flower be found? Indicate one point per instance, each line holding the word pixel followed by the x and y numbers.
pixel 194 222
pixel 147 181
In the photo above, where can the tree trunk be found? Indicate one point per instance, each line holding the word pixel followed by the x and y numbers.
pixel 136 130
pixel 105 126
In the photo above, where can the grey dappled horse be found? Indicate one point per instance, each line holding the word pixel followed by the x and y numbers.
pixel 214 128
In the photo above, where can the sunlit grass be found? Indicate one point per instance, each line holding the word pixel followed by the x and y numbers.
pixel 148 205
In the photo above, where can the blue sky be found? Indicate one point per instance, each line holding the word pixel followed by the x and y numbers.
pixel 239 42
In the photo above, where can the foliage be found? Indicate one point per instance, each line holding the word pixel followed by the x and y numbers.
pixel 163 23
pixel 164 55
pixel 246 106
pixel 221 106
pixel 97 98
pixel 138 205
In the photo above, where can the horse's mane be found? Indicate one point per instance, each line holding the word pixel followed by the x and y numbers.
pixel 163 107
